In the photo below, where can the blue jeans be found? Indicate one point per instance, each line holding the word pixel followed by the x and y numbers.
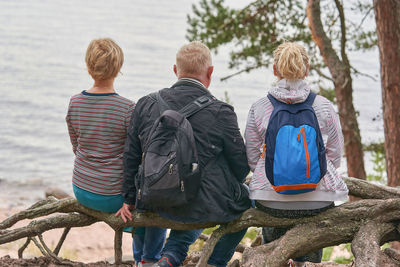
pixel 148 243
pixel 146 246
pixel 179 241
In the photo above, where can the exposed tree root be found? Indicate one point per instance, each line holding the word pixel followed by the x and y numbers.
pixel 365 223
pixel 366 245
pixel 61 241
pixel 393 254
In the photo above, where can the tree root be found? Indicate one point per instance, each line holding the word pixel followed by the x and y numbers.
pixel 366 244
pixel 366 223
pixel 118 247
pixel 61 241
pixel 393 254
pixel 50 253
pixel 24 246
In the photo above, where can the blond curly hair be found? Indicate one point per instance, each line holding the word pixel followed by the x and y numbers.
pixel 291 61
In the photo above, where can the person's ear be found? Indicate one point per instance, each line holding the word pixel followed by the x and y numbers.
pixel 276 73
pixel 307 70
pixel 209 72
pixel 175 70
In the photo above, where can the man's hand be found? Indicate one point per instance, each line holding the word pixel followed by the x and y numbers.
pixel 125 212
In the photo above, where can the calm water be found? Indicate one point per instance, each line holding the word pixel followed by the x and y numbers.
pixel 42 48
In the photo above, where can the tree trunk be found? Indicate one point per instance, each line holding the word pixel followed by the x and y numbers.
pixel 387 15
pixel 340 71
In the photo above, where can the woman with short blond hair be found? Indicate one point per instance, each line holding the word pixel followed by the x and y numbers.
pixel 98 120
pixel 291 66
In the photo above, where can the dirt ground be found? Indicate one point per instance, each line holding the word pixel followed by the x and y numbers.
pixel 93 243
pixel 6 261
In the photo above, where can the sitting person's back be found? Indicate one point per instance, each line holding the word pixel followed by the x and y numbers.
pixel 303 199
pixel 220 148
pixel 221 196
pixel 98 121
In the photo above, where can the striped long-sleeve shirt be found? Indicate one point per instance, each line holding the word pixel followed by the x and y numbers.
pixel 97 125
pixel 331 186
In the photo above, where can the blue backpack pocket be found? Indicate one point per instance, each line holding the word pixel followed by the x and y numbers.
pixel 296 166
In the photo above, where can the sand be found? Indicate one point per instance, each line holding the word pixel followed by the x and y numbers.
pixel 87 244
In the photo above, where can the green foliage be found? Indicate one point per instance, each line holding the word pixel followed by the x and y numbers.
pixel 208 231
pixel 251 234
pixel 328 93
pixel 366 40
pixel 198 244
pixel 255 30
pixel 375 147
pixel 378 159
pixel 327 253
pixel 343 259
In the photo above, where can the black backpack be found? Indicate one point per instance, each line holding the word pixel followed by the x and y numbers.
pixel 169 175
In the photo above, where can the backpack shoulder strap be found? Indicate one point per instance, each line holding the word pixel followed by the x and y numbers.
pixel 196 105
pixel 163 106
pixel 310 99
pixel 274 101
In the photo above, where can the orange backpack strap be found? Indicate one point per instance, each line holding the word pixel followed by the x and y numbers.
pixel 264 150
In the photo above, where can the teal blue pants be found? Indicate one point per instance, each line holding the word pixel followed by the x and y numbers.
pixel 98 202
pixel 147 242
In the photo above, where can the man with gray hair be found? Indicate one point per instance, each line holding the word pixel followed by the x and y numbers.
pixel 222 160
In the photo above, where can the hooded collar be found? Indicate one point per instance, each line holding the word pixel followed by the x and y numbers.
pixel 290 91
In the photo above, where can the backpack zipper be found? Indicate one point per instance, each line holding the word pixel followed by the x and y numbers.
pixel 166 169
pixel 305 150
pixel 170 170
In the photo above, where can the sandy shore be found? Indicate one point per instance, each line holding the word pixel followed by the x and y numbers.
pixel 87 244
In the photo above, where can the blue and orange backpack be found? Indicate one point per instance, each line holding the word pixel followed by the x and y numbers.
pixel 294 150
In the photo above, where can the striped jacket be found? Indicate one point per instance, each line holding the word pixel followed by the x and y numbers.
pixel 97 125
pixel 331 186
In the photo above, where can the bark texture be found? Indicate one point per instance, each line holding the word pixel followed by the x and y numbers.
pixel 341 76
pixel 366 245
pixel 387 15
pixel 366 223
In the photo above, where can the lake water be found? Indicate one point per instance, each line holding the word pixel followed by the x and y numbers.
pixel 42 48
